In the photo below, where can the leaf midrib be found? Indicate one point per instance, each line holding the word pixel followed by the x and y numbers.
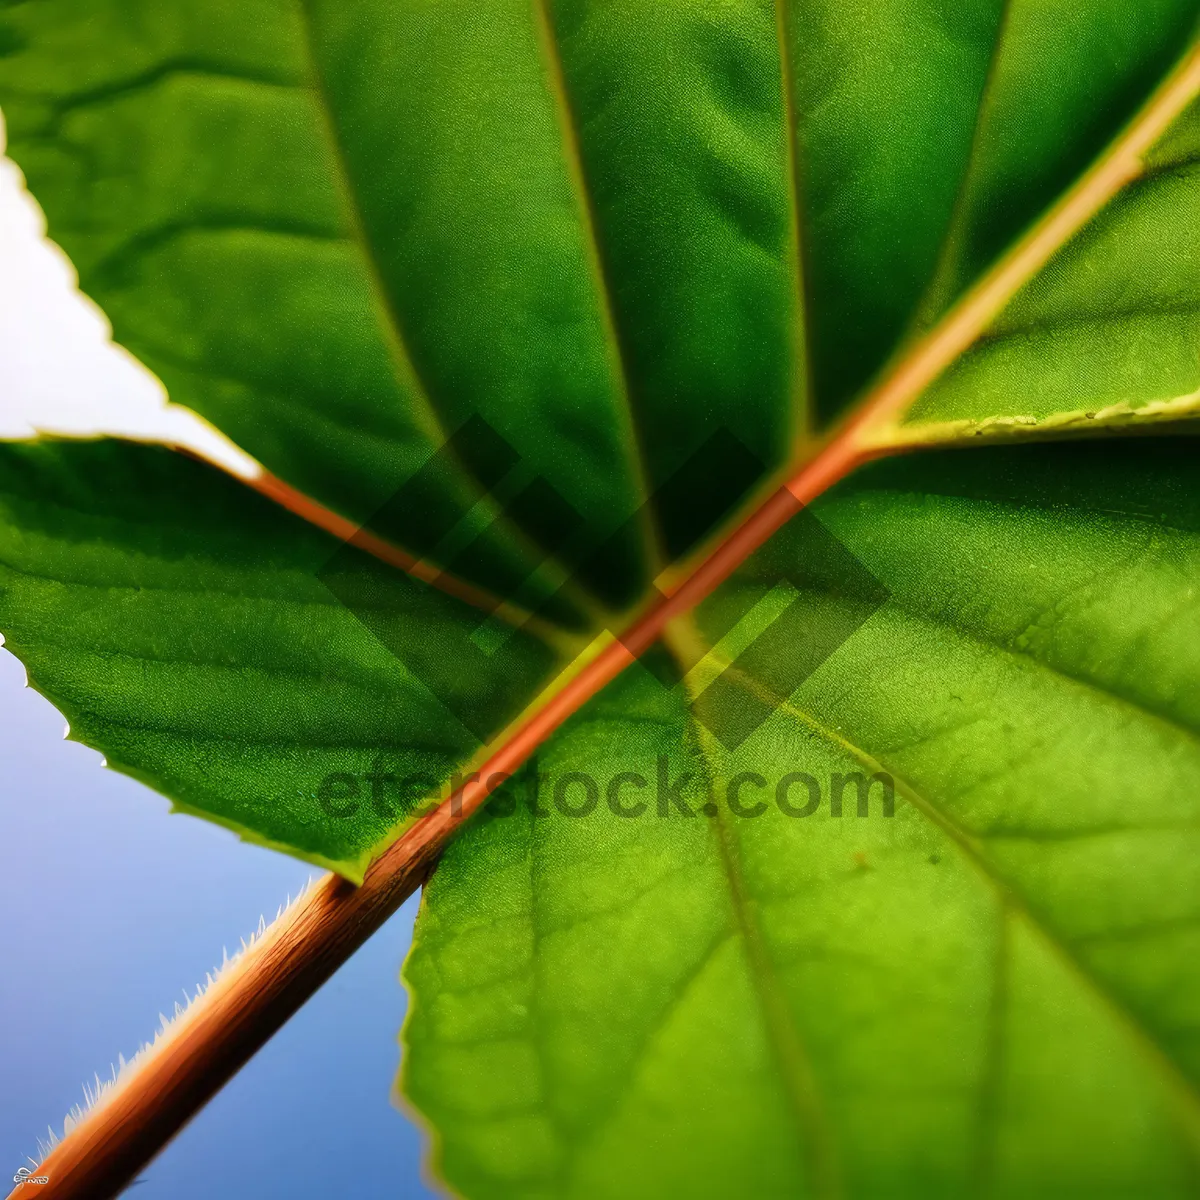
pixel 863 433
pixel 843 452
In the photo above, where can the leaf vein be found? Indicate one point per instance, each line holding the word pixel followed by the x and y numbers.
pixel 572 152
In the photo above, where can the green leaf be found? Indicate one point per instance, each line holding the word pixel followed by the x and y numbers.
pixel 1107 335
pixel 994 992
pixel 338 231
pixel 195 633
pixel 384 242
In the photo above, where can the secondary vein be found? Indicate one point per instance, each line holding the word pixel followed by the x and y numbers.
pixel 940 287
pixel 1156 1054
pixel 569 129
pixel 800 1084
pixel 802 374
pixel 403 364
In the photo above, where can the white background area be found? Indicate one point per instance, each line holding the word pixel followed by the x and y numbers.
pixel 59 370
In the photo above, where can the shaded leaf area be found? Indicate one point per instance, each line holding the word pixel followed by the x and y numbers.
pixel 212 174
pixel 610 231
pixel 179 621
pixel 992 992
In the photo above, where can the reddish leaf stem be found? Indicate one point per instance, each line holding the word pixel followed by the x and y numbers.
pixel 223 1029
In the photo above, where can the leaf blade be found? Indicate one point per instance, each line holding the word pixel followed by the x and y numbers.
pixel 930 1086
pixel 182 625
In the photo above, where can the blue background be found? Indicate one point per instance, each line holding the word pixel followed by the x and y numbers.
pixel 110 909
